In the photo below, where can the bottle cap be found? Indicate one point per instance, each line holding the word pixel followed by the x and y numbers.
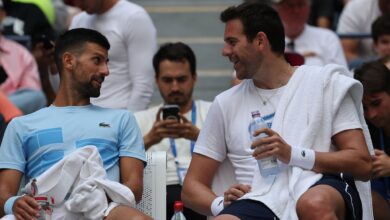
pixel 178 206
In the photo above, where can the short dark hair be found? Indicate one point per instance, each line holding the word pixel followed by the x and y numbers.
pixel 174 52
pixel 374 76
pixel 380 27
pixel 258 17
pixel 74 40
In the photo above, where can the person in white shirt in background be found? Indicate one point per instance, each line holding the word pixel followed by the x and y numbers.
pixel 175 69
pixel 356 18
pixel 132 36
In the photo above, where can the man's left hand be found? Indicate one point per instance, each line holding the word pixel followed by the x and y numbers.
pixel 187 129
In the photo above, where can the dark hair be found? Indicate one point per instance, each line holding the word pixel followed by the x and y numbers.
pixel 258 17
pixel 374 76
pixel 174 52
pixel 381 26
pixel 74 40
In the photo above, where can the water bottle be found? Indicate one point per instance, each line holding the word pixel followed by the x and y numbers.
pixel 178 208
pixel 269 165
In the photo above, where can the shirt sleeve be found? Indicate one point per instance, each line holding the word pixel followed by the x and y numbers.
pixel 141 45
pixel 12 155
pixel 350 20
pixel 346 116
pixel 211 141
pixel 130 139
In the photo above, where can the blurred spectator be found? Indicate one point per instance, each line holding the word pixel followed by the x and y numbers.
pixel 132 35
pixel 375 77
pixel 380 31
pixel 46 6
pixel 7 111
pixel 356 18
pixel 175 68
pixel 322 13
pixel 27 19
pixel 319 46
pixel 19 77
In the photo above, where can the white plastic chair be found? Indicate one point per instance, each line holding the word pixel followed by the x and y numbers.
pixel 153 202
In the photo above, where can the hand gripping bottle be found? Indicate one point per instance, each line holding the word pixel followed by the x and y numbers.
pixel 178 208
pixel 269 165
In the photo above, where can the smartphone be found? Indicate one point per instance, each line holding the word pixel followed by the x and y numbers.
pixel 47 44
pixel 171 112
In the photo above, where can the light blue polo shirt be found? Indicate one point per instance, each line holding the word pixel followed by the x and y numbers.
pixel 34 142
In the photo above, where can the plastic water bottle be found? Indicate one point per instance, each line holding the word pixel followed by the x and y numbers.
pixel 269 165
pixel 178 208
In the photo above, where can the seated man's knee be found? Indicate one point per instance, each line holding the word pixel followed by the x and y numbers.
pixel 126 213
pixel 320 202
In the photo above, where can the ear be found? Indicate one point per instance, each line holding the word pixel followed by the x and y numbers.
pixel 261 39
pixel 69 61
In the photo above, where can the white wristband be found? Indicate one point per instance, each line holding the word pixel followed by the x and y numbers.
pixel 9 204
pixel 302 157
pixel 217 205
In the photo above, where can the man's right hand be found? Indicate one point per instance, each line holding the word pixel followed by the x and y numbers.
pixel 26 208
pixel 161 129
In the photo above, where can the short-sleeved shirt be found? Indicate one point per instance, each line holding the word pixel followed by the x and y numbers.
pixel 34 142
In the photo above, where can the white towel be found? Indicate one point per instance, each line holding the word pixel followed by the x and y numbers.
pixel 82 175
pixel 316 133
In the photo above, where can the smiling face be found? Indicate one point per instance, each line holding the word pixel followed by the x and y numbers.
pixel 241 52
pixel 377 108
pixel 175 82
pixel 90 70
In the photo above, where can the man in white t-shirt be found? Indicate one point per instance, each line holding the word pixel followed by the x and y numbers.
pixel 316 131
pixel 175 68
pixel 356 18
pixel 132 36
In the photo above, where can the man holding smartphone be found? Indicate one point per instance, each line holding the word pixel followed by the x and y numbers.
pixel 174 126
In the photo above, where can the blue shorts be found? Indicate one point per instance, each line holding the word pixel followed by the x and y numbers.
pixel 249 210
pixel 345 185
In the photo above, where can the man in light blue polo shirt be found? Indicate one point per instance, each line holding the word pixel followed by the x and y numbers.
pixel 35 142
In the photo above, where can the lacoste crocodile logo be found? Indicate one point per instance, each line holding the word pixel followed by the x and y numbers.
pixel 104 125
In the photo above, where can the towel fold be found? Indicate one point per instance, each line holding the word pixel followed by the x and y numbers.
pixel 79 182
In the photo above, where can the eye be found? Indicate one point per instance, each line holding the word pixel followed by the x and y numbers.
pixel 182 79
pixel 166 80
pixel 97 60
pixel 376 103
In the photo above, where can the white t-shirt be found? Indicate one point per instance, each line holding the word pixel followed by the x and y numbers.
pixel 226 134
pixel 356 18
pixel 319 46
pixel 146 119
pixel 132 37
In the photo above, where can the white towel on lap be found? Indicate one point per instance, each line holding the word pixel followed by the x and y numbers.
pixel 81 175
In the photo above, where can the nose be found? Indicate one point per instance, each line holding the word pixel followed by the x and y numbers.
pixel 175 85
pixel 370 113
pixel 104 70
pixel 226 50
